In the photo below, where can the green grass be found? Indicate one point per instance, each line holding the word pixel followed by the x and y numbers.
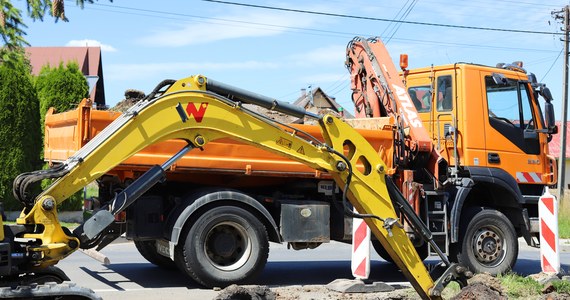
pixel 92 190
pixel 451 290
pixel 562 286
pixel 516 286
pixel 564 217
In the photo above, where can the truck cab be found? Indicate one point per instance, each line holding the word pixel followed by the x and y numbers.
pixel 488 124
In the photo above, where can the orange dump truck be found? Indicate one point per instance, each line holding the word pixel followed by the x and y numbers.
pixel 229 200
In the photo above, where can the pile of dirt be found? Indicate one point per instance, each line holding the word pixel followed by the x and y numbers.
pixel 479 290
pixel 555 296
pixel 235 292
pixel 482 286
pixel 132 96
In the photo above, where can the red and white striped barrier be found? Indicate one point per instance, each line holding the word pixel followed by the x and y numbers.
pixel 549 246
pixel 360 261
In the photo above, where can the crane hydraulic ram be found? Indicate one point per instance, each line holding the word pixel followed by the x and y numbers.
pixel 199 110
pixel 378 91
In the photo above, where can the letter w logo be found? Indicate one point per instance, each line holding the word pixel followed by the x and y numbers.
pixel 198 113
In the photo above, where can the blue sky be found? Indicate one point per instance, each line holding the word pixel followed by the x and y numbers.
pixel 277 53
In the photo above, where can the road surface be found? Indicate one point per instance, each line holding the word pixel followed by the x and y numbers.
pixel 129 276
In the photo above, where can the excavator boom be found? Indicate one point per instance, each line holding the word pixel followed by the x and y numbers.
pixel 198 111
pixel 189 110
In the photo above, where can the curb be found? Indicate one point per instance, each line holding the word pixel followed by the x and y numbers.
pixel 564 244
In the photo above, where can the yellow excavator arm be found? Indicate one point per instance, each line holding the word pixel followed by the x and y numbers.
pixel 199 110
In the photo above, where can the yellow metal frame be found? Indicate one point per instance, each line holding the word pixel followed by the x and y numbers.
pixel 209 117
pixel 56 244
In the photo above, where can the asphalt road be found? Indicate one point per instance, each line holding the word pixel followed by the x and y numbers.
pixel 129 276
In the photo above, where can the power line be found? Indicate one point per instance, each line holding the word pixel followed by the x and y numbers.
pixel 505 1
pixel 381 19
pixel 321 32
pixel 552 65
pixel 391 25
pixel 402 17
pixel 339 82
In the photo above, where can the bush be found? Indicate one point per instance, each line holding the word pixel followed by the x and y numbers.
pixel 20 136
pixel 62 88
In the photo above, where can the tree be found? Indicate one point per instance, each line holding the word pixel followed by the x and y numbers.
pixel 20 136
pixel 61 87
pixel 12 26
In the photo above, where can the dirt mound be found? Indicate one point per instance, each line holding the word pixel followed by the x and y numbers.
pixel 482 286
pixel 235 292
pixel 488 280
pixel 132 96
pixel 479 290
pixel 555 296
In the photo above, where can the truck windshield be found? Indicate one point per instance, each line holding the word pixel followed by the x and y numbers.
pixel 509 102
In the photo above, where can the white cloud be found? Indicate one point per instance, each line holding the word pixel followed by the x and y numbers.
pixel 226 27
pixel 90 43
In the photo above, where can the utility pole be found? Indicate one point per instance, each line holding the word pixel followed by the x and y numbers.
pixel 565 15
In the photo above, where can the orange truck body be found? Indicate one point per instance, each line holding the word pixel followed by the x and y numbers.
pixel 479 143
pixel 67 132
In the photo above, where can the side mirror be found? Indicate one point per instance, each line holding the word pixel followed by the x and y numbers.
pixel 549 117
pixel 545 93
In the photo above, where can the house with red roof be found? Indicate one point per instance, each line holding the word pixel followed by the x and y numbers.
pixel 555 147
pixel 88 59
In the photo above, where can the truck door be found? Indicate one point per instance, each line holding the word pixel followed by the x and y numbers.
pixel 512 144
pixel 433 98
pixel 444 115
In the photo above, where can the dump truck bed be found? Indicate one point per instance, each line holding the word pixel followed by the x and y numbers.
pixel 67 132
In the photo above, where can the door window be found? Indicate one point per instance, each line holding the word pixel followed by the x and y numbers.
pixel 510 112
pixel 444 93
pixel 421 97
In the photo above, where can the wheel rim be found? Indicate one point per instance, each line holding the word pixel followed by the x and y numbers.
pixel 489 246
pixel 227 246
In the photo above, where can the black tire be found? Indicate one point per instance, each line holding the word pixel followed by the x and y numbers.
pixel 148 250
pixel 488 242
pixel 225 245
pixel 422 251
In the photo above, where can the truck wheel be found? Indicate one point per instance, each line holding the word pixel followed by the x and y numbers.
pixel 225 245
pixel 148 250
pixel 488 243
pixel 422 251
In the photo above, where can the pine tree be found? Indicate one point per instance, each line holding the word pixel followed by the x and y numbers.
pixel 62 88
pixel 20 136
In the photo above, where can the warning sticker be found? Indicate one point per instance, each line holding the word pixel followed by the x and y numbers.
pixel 285 143
pixel 301 150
